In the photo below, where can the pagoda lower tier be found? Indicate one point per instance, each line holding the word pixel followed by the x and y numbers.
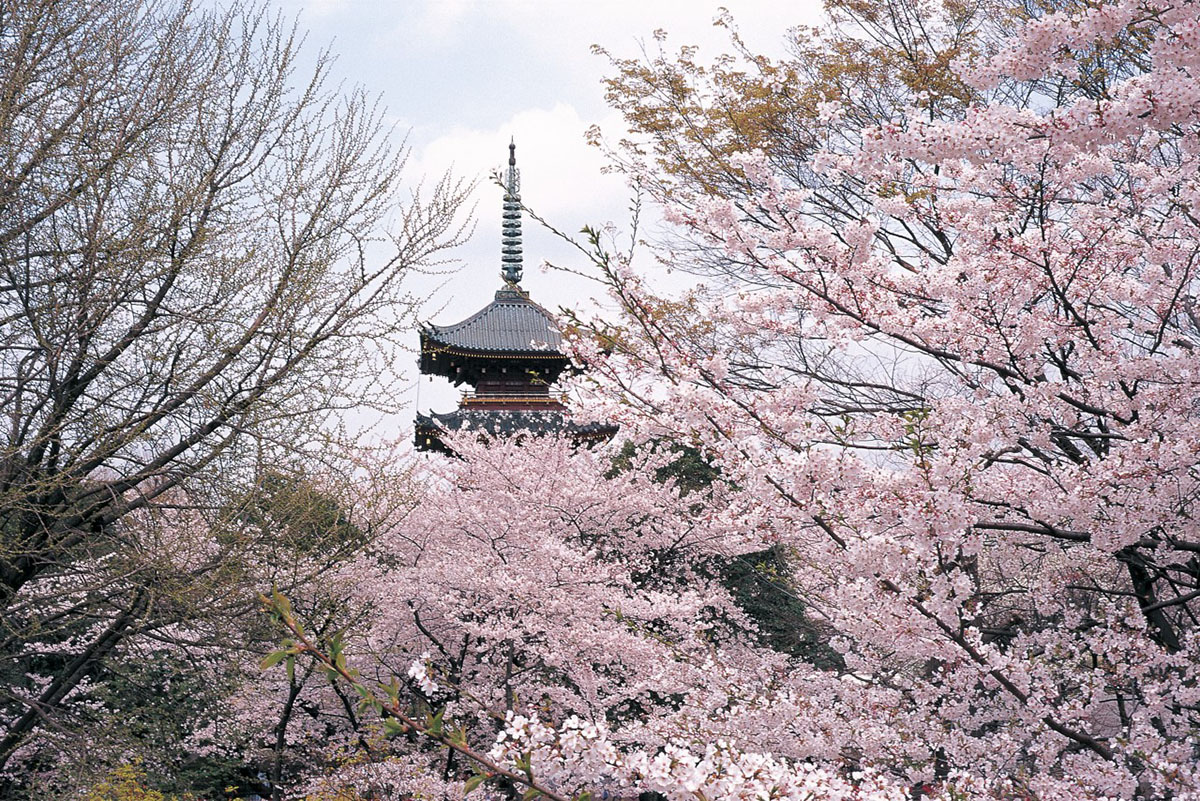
pixel 510 354
pixel 497 421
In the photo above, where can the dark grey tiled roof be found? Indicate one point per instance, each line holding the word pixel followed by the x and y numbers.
pixel 511 323
pixel 500 421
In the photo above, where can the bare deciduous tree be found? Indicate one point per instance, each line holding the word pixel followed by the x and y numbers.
pixel 200 263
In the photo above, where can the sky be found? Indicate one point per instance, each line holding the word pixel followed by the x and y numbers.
pixel 460 78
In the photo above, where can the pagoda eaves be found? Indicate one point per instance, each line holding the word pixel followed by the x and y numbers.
pixel 510 332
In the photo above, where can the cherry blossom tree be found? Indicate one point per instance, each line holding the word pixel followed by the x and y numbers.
pixel 947 355
pixel 943 359
pixel 560 626
pixel 526 579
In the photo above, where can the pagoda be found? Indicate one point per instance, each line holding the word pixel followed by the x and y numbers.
pixel 509 353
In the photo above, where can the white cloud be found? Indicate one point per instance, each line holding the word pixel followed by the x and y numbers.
pixel 560 176
pixel 325 8
pixel 437 22
pixel 571 28
pixel 560 173
pixel 466 75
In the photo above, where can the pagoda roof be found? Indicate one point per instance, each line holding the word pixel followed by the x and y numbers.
pixel 512 323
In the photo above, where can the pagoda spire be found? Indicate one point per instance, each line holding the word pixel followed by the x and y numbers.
pixel 510 250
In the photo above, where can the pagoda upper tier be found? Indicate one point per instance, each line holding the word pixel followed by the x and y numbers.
pixel 510 353
pixel 510 332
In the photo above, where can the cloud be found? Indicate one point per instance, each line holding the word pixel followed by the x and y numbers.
pixel 325 8
pixel 561 176
pixel 573 27
pixel 463 76
pixel 560 172
pixel 438 21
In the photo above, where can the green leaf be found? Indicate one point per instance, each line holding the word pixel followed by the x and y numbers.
pixel 392 727
pixel 281 602
pixel 291 668
pixel 272 659
pixel 435 722
pixel 531 794
pixel 474 782
pixel 586 795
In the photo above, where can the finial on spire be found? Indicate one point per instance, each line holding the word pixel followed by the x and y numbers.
pixel 510 250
